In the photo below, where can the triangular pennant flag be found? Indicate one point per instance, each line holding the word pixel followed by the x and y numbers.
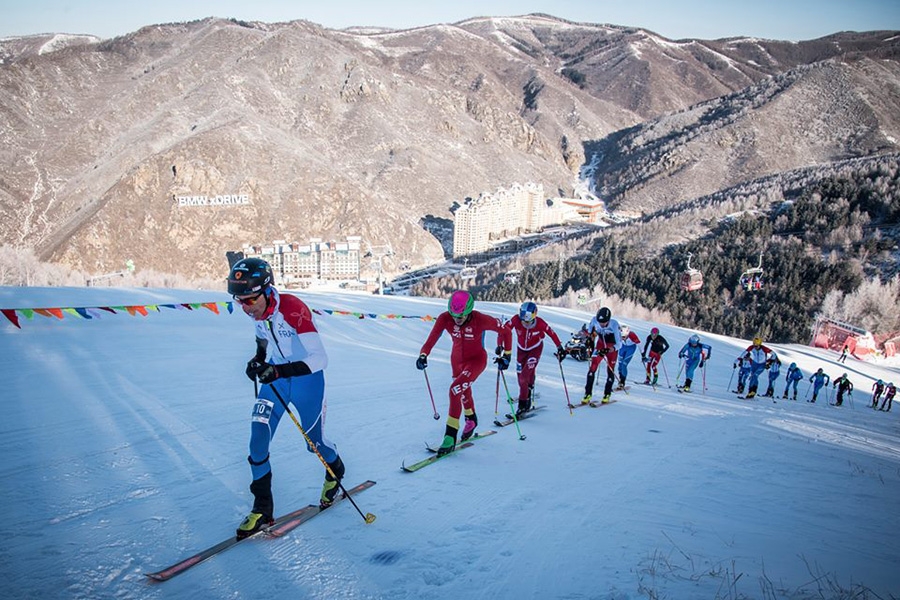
pixel 211 306
pixel 136 309
pixel 50 312
pixel 10 314
pixel 83 312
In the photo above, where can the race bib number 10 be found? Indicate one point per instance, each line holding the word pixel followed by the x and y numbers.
pixel 262 410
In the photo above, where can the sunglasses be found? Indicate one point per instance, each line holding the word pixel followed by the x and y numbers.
pixel 248 300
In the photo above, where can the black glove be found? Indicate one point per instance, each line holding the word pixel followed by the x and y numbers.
pixel 264 372
pixel 602 351
pixel 702 362
pixel 422 362
pixel 643 359
pixel 253 366
pixel 498 350
pixel 560 353
pixel 503 361
pixel 267 373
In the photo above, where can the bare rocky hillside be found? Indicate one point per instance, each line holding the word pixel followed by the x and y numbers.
pixel 331 133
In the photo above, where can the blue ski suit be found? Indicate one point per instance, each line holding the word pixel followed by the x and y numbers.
pixel 694 355
pixel 793 377
pixel 818 379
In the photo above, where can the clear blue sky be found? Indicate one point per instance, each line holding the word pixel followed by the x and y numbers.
pixel 707 19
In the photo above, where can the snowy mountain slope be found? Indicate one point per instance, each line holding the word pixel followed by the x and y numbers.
pixel 125 443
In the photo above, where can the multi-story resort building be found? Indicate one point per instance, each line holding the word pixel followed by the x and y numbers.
pixel 481 223
pixel 314 260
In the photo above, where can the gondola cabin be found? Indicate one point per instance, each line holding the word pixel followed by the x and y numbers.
pixel 691 280
pixel 468 273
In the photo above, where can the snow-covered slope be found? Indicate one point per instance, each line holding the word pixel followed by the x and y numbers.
pixel 125 440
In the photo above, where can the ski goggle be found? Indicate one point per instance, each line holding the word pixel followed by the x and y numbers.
pixel 248 300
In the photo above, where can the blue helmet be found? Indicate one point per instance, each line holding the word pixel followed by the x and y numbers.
pixel 694 340
pixel 528 312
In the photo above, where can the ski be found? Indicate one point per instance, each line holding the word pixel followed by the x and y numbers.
pixel 509 417
pixel 579 405
pixel 433 458
pixel 477 436
pixel 283 525
pixel 599 404
pixel 653 385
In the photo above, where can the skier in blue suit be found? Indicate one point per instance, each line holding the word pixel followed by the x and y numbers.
pixel 695 355
pixel 793 377
pixel 819 379
pixel 773 365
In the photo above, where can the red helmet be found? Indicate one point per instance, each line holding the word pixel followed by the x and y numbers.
pixel 654 331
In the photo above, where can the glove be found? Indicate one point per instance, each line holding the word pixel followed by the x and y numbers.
pixel 498 350
pixel 253 366
pixel 643 359
pixel 681 356
pixel 602 351
pixel 734 366
pixel 702 362
pixel 422 362
pixel 503 361
pixel 560 353
pixel 264 372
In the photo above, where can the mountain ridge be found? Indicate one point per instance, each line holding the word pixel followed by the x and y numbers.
pixel 336 132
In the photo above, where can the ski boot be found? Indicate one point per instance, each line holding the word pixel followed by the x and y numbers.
pixel 647 380
pixel 784 396
pixel 586 399
pixel 469 427
pixel 253 523
pixel 447 446
pixel 260 515
pixel 332 484
pixel 605 399
pixel 523 408
pixel 621 385
pixel 655 378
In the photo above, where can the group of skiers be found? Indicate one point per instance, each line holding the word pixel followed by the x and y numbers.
pixel 290 360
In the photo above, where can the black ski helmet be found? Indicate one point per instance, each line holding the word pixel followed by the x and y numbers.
pixel 604 315
pixel 249 275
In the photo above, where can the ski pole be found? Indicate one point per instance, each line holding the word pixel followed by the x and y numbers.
pixel 730 379
pixel 511 407
pixel 668 383
pixel 431 395
pixel 367 517
pixel 677 377
pixel 566 390
pixel 703 370
pixel 497 394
